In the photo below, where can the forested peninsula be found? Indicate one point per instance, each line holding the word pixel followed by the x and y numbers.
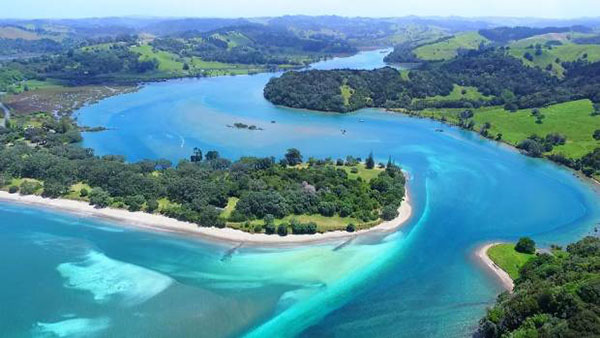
pixel 556 294
pixel 485 90
pixel 257 195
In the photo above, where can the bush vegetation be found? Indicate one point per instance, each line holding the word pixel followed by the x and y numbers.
pixel 556 295
pixel 198 189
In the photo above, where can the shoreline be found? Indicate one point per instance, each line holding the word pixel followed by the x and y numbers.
pixel 593 181
pixel 143 220
pixel 502 276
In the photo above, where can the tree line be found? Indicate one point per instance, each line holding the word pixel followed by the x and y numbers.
pixel 195 190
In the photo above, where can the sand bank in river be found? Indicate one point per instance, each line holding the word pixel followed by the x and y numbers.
pixel 503 277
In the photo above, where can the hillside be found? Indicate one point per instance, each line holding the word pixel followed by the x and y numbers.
pixel 449 48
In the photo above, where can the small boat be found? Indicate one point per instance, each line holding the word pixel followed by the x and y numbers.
pixel 440 130
pixel 361 120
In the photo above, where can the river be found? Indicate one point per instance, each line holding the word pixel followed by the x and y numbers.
pixel 6 113
pixel 67 275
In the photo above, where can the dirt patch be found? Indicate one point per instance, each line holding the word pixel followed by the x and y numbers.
pixel 61 100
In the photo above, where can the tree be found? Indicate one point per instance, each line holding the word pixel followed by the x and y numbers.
pixel 197 156
pixel 270 229
pixel 596 134
pixel 370 163
pixel 53 189
pixel 29 187
pixel 99 198
pixel 525 245
pixel 350 227
pixel 151 205
pixel 212 155
pixel 282 229
pixel 293 157
pixel 135 202
pixel 531 147
pixel 389 212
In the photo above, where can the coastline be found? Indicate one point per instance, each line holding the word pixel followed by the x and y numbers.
pixel 503 277
pixel 593 181
pixel 162 223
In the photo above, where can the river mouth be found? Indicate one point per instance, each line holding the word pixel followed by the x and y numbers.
pixel 418 281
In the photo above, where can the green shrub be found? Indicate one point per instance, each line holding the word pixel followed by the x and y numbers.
pixel 83 192
pixel 282 230
pixel 525 245
pixel 270 228
pixel 99 198
pixel 13 189
pixel 151 205
pixel 389 212
pixel 351 227
pixel 29 187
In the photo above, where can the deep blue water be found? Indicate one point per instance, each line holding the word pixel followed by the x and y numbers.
pixel 63 274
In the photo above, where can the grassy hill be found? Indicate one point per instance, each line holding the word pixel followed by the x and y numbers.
pixel 458 93
pixel 508 259
pixel 555 48
pixel 172 63
pixel 448 49
pixel 571 119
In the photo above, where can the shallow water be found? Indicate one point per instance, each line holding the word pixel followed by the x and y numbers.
pixel 64 275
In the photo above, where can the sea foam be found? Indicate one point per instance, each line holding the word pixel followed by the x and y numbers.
pixel 109 279
pixel 77 327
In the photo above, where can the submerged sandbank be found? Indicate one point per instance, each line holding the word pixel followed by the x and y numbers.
pixel 163 223
pixel 502 275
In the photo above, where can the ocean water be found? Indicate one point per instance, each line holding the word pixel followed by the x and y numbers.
pixel 67 276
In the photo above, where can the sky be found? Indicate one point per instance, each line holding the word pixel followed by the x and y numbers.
pixel 561 9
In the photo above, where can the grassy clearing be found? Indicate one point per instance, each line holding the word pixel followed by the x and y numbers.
pixel 568 51
pixel 233 39
pixel 324 223
pixel 231 203
pixel 173 64
pixel 75 192
pixel 10 32
pixel 167 62
pixel 508 259
pixel 458 93
pixel 448 49
pixel 571 119
pixel 18 182
pixel 363 172
pixel 347 92
pixel 164 203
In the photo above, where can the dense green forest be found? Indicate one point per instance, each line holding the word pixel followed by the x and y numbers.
pixel 500 78
pixel 556 295
pixel 464 91
pixel 43 159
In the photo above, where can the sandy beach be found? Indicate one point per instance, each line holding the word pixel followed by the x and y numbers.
pixel 163 223
pixel 504 278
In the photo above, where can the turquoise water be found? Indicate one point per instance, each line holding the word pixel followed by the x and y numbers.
pixel 70 276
